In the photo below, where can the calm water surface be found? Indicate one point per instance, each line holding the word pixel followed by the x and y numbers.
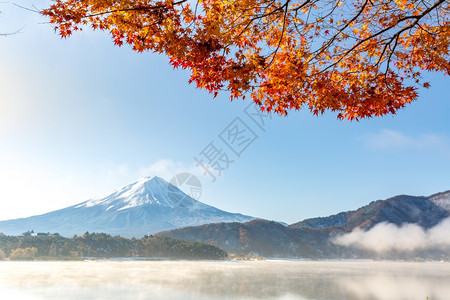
pixel 224 280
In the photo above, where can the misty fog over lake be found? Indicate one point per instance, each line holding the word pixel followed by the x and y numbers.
pixel 224 280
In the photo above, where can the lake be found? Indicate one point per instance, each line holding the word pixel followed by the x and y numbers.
pixel 270 279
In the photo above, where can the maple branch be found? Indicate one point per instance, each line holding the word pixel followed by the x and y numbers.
pixel 417 19
pixel 155 7
pixel 326 54
pixel 4 34
pixel 35 10
pixel 330 42
pixel 274 53
pixel 390 55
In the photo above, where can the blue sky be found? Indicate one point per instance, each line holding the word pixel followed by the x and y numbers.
pixel 81 117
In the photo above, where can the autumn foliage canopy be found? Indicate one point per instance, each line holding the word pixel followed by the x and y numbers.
pixel 359 58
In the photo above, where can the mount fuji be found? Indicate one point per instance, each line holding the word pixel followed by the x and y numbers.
pixel 146 206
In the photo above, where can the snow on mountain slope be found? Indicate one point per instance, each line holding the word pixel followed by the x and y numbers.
pixel 442 200
pixel 146 206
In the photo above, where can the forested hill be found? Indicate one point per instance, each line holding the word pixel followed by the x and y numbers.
pixel 101 245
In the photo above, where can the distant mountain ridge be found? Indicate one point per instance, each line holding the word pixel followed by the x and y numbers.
pixel 312 238
pixel 424 211
pixel 144 207
pixel 262 238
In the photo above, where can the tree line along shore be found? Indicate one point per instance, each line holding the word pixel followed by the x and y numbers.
pixel 101 245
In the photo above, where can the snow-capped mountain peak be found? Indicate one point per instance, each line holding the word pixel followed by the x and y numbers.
pixel 145 191
pixel 146 206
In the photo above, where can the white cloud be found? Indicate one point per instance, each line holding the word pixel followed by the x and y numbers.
pixel 388 139
pixel 408 237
